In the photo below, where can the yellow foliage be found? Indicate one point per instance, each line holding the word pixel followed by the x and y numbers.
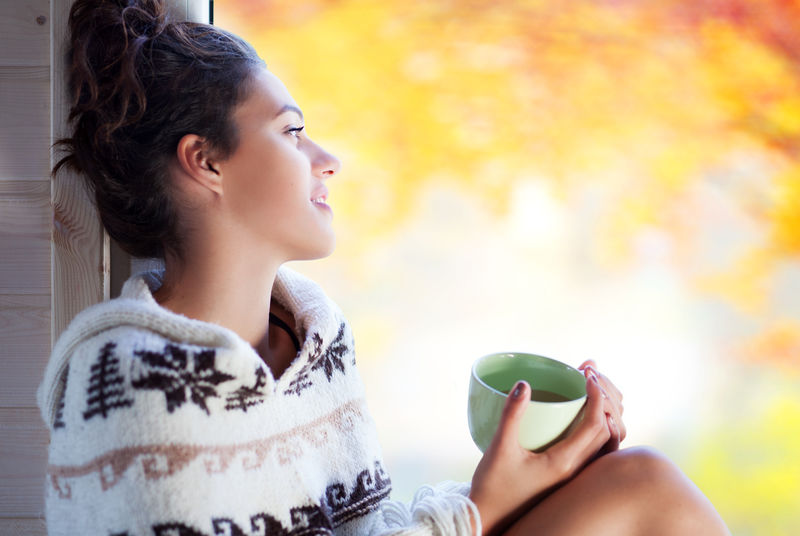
pixel 785 213
pixel 746 283
pixel 586 93
pixel 443 89
pixel 785 115
pixel 751 472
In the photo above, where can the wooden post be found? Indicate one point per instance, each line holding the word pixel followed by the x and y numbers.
pixel 80 248
pixel 122 264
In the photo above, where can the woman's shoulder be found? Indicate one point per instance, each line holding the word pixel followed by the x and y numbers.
pixel 118 330
pixel 138 365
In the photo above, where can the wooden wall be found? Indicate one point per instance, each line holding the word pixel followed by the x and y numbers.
pixel 25 274
pixel 54 256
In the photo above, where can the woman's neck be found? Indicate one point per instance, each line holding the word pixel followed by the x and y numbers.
pixel 230 294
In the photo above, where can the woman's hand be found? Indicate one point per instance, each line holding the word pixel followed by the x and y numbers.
pixel 614 396
pixel 510 479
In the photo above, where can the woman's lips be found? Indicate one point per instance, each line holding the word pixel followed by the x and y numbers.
pixel 320 202
pixel 320 196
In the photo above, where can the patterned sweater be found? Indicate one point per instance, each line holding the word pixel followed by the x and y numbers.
pixel 165 425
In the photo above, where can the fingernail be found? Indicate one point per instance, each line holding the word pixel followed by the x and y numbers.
pixel 592 375
pixel 517 390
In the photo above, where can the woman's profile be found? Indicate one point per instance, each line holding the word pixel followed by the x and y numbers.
pixel 221 394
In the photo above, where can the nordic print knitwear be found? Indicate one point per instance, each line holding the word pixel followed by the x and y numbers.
pixel 165 425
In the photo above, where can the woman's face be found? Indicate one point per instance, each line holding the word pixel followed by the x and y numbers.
pixel 273 184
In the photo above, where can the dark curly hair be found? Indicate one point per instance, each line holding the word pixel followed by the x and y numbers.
pixel 139 82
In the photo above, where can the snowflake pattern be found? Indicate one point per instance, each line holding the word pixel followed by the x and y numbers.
pixel 181 374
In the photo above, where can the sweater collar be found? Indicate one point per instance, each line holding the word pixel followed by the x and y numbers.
pixel 136 307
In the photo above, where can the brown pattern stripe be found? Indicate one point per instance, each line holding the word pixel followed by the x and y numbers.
pixel 159 461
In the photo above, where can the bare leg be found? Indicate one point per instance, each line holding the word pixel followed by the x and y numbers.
pixel 630 492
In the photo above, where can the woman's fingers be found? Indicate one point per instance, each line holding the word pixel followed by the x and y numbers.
pixel 508 429
pixel 615 438
pixel 613 412
pixel 605 383
pixel 615 426
pixel 587 439
pixel 620 423
pixel 611 392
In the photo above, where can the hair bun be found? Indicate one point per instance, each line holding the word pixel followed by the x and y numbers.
pixel 118 18
pixel 139 83
pixel 143 18
pixel 138 16
pixel 108 38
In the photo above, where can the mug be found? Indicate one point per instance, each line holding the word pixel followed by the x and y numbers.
pixel 558 395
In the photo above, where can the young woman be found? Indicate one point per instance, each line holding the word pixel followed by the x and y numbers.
pixel 220 396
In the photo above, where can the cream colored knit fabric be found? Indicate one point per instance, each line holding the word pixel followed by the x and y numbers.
pixel 165 425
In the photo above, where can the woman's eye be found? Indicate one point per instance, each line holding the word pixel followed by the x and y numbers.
pixel 295 131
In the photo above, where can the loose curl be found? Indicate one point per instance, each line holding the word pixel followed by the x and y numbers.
pixel 139 82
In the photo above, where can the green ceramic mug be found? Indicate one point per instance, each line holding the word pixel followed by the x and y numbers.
pixel 558 394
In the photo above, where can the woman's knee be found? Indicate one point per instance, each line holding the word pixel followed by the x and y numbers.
pixel 631 491
pixel 639 474
pixel 639 464
pixel 659 491
pixel 652 459
pixel 610 496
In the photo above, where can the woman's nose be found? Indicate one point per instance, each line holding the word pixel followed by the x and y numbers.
pixel 324 164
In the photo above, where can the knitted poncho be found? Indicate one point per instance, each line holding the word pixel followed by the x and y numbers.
pixel 165 425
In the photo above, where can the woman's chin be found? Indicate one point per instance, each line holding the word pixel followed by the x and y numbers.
pixel 319 251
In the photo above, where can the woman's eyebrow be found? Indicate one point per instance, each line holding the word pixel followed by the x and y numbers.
pixel 290 108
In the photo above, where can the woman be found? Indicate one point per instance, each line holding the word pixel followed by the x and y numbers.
pixel 220 396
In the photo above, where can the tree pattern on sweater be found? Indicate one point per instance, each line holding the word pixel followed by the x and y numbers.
pixel 177 374
pixel 106 389
pixel 58 422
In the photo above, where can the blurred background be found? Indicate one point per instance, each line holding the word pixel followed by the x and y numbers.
pixel 607 179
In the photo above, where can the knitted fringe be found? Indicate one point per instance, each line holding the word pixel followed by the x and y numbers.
pixel 444 510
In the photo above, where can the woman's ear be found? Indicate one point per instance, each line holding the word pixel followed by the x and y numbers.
pixel 197 162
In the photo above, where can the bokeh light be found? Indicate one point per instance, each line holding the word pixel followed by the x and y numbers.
pixel 616 180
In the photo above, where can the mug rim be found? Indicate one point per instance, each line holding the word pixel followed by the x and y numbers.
pixel 527 354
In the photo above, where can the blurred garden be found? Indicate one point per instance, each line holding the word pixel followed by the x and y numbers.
pixel 607 179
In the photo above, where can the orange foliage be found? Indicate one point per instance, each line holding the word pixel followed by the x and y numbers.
pixel 648 101
pixel 777 345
